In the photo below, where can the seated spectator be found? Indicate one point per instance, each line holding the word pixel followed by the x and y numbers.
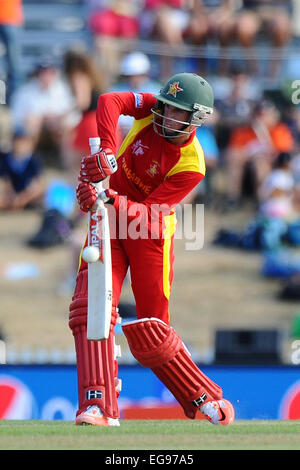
pixel 113 21
pixel 43 105
pixel 276 191
pixel 236 108
pixel 296 175
pixel 21 174
pixel 254 147
pixel 116 18
pixel 165 21
pixel 276 223
pixel 213 20
pixel 134 76
pixel 272 17
pixel 293 120
pixel 86 84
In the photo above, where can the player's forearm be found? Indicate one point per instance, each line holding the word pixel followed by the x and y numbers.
pixel 109 109
pixel 112 105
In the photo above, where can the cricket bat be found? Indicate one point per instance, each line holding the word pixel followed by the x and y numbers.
pixel 98 256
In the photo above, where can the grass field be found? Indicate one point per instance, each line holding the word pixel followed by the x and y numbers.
pixel 150 435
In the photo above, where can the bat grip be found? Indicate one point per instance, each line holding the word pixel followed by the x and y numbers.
pixel 95 143
pixel 98 186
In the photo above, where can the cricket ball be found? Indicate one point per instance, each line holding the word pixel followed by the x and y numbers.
pixel 90 254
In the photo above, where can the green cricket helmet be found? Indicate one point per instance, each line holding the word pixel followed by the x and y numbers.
pixel 186 91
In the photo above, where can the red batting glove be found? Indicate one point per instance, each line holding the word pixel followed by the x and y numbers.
pixel 86 196
pixel 97 167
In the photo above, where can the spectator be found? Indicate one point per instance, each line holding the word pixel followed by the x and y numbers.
pixel 86 84
pixel 270 16
pixel 296 174
pixel 21 174
pixel 293 120
pixel 275 223
pixel 11 20
pixel 112 22
pixel 213 19
pixel 253 147
pixel 43 106
pixel 276 191
pixel 165 21
pixel 236 108
pixel 134 76
pixel 278 211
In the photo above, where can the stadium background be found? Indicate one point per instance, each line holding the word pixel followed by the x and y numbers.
pixel 215 289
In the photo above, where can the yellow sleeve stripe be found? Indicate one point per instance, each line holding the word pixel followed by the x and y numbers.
pixel 191 159
pixel 170 223
pixel 137 126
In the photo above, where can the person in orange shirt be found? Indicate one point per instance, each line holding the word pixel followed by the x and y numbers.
pixel 11 19
pixel 255 146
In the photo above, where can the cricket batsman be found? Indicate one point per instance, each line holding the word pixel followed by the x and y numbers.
pixel 159 162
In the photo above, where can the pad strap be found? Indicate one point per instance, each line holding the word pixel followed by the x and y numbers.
pixel 157 346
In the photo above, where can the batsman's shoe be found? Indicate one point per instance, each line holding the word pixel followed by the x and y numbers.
pixel 218 412
pixel 94 416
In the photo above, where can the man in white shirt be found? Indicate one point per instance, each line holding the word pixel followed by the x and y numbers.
pixel 45 100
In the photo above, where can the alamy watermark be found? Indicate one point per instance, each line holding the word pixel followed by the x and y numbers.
pixel 190 226
pixel 295 355
pixel 2 92
pixel 296 93
pixel 158 222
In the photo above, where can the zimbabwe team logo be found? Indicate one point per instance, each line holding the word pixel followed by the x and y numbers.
pixel 174 88
pixel 154 169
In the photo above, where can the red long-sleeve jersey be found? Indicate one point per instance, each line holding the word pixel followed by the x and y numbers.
pixel 151 170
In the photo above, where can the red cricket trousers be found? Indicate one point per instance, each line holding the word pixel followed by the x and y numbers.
pixel 150 262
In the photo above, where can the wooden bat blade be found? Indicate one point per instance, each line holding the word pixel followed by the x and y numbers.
pixel 100 283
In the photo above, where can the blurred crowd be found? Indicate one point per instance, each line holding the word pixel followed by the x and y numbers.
pixel 175 23
pixel 251 143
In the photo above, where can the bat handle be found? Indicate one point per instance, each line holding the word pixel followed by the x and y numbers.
pixel 99 187
pixel 95 143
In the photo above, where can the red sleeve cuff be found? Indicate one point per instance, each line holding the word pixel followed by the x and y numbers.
pixel 116 202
